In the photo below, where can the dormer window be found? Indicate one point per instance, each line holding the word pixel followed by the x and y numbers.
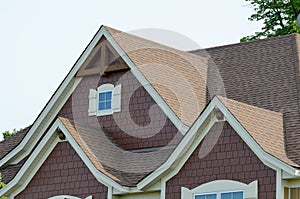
pixel 106 100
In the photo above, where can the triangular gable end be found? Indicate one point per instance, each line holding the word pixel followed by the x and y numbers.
pixel 74 77
pixel 214 112
pixel 102 59
pixel 57 133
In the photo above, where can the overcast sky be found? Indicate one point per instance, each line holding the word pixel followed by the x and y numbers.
pixel 41 40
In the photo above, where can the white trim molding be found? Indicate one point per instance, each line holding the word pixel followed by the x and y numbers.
pixel 250 190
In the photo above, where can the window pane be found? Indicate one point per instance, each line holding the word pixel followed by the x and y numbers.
pixel 101 106
pixel 200 197
pixel 226 196
pixel 101 96
pixel 238 195
pixel 108 105
pixel 108 95
pixel 211 196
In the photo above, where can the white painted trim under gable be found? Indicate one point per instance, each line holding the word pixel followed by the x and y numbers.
pixel 190 141
pixel 40 154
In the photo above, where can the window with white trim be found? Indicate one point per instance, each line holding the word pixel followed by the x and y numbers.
pixel 106 100
pixel 222 189
pixel 221 195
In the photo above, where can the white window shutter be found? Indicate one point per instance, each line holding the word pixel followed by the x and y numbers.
pixel 92 102
pixel 117 99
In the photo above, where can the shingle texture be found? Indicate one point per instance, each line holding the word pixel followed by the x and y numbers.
pixel 266 127
pixel 11 142
pixel 179 77
pixel 259 79
pixel 264 73
pixel 125 167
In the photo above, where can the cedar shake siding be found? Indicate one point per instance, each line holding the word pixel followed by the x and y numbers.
pixel 136 126
pixel 230 159
pixel 63 173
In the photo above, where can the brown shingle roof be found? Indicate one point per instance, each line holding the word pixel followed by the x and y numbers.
pixel 178 76
pixel 10 143
pixel 264 73
pixel 266 127
pixel 125 167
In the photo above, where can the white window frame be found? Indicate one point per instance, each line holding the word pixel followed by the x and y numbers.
pixel 102 89
pixel 219 193
pixel 115 101
pixel 222 186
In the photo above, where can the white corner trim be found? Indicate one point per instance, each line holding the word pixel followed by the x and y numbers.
pixel 279 184
pixel 146 84
pixel 185 149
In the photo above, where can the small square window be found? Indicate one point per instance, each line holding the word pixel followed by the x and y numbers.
pixel 105 101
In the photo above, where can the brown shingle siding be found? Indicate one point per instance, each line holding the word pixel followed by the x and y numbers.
pixel 233 161
pixel 124 128
pixel 63 173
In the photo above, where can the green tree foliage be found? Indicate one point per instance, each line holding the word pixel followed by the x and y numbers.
pixel 7 134
pixel 1 186
pixel 278 17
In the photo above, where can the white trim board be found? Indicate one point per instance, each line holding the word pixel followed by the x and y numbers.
pixel 188 144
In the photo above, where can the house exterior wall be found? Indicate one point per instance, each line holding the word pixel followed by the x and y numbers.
pixel 137 126
pixel 229 159
pixel 63 173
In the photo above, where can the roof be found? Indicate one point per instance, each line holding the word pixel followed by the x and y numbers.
pixel 260 77
pixel 178 76
pixel 125 167
pixel 11 142
pixel 263 73
pixel 266 127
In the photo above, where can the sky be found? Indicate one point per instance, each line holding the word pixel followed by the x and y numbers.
pixel 40 40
